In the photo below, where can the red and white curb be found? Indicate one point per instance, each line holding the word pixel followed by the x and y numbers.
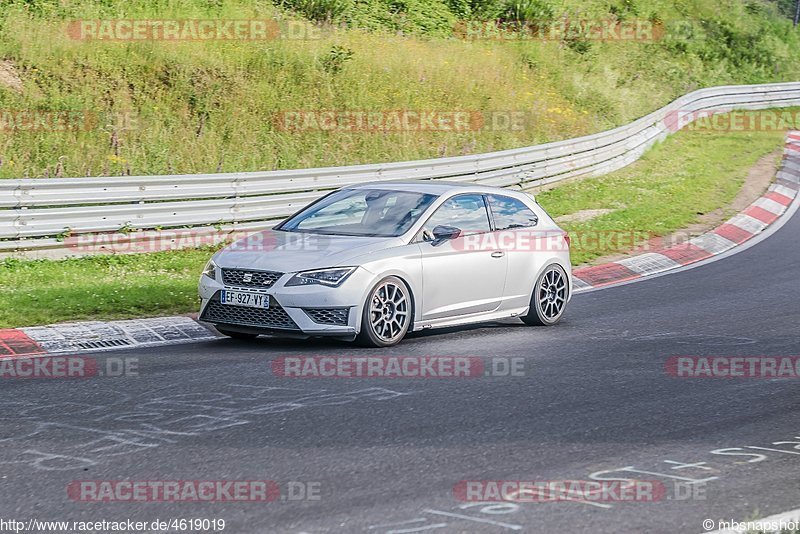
pixel 95 336
pixel 740 228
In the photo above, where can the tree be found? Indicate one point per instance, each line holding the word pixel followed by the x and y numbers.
pixel 797 13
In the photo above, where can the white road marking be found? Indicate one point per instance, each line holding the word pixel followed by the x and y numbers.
pixel 471 518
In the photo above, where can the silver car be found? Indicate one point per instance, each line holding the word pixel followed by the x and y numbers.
pixel 372 262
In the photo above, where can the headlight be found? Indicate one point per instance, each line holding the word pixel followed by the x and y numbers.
pixel 210 270
pixel 325 277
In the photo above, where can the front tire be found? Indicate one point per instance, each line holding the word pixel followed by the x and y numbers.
pixel 549 298
pixel 387 314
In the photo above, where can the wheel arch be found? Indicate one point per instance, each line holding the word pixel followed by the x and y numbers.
pixel 547 263
pixel 403 277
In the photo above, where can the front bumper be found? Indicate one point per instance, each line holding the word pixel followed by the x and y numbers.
pixel 296 311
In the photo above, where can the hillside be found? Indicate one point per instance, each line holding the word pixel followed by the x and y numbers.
pixel 154 106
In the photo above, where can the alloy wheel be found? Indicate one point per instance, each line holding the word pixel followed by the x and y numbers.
pixel 551 295
pixel 389 311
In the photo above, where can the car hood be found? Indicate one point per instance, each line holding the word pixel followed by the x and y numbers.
pixel 272 250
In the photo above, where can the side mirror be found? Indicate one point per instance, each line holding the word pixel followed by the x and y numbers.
pixel 443 233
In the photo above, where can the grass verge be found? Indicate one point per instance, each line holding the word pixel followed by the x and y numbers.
pixel 690 174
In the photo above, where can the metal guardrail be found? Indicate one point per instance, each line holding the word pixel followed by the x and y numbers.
pixel 34 212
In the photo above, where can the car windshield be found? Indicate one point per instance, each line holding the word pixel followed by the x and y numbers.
pixel 361 212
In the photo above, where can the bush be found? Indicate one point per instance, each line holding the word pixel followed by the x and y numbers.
pixel 623 9
pixel 726 43
pixel 334 60
pixel 527 11
pixel 431 17
pixel 476 9
pixel 318 10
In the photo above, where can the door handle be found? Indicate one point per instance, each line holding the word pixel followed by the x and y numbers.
pixel 498 254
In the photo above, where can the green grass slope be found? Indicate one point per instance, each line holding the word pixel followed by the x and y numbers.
pixel 167 107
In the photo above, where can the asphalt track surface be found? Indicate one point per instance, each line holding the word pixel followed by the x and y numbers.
pixel 387 453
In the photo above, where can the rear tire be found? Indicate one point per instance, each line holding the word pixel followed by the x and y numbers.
pixel 549 298
pixel 387 314
pixel 236 335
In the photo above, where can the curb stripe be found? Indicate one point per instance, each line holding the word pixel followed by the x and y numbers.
pixel 91 336
pixel 791 166
pixel 747 223
pixel 15 342
pixel 733 233
pixel 577 283
pixel 761 214
pixel 779 198
pixel 713 243
pixel 604 274
pixel 686 253
pixel 782 190
pixel 791 159
pixel 649 263
pixel 788 183
pixel 770 205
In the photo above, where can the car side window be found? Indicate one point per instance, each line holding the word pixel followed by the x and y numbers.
pixel 465 212
pixel 510 213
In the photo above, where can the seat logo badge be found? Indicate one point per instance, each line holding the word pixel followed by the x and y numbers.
pixel 248 277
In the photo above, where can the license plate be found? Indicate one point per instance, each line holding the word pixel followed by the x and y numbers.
pixel 244 298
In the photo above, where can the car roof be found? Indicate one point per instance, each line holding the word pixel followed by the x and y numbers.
pixel 436 187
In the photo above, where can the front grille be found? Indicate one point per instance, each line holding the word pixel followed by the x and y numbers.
pixel 242 278
pixel 334 316
pixel 272 317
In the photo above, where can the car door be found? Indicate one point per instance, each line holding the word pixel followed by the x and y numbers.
pixel 459 278
pixel 512 216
